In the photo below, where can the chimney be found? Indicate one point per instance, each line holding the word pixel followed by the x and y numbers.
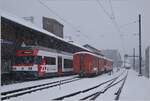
pixel 53 26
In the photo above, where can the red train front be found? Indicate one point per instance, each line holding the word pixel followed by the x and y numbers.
pixel 89 64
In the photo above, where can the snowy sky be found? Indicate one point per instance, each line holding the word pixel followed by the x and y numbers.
pixel 92 24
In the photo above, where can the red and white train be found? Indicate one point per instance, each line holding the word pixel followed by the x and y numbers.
pixel 88 64
pixel 35 61
pixel 40 62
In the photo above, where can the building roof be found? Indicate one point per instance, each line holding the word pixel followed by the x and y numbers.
pixel 93 49
pixel 23 22
pixel 84 52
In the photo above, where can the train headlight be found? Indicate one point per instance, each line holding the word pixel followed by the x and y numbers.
pixel 95 69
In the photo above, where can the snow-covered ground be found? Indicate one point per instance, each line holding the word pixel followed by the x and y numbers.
pixel 135 88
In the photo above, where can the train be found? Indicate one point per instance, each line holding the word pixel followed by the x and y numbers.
pixel 35 62
pixel 89 64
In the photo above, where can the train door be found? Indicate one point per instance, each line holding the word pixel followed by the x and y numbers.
pixel 81 64
pixel 41 68
pixel 59 65
pixel 98 65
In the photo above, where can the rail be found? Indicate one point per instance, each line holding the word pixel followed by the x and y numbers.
pixel 18 92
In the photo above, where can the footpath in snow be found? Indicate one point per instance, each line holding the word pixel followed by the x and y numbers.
pixel 136 87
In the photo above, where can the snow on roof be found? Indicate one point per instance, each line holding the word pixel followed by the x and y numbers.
pixel 23 22
pixel 107 59
pixel 84 52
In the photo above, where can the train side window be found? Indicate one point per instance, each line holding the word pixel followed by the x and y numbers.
pixel 38 60
pixel 50 60
pixel 53 61
pixel 68 63
pixel 47 60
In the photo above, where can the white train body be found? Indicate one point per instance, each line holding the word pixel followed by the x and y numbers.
pixel 39 62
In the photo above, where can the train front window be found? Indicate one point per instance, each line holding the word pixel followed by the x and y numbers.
pixel 24 60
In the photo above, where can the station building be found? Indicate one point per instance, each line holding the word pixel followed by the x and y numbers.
pixel 93 49
pixel 16 32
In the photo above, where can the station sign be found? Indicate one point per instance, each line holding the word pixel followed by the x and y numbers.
pixel 26 52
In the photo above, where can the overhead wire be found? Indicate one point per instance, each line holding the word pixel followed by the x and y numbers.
pixel 61 18
pixel 126 25
pixel 117 26
pixel 112 11
pixel 112 18
pixel 129 23
pixel 99 3
pixel 121 26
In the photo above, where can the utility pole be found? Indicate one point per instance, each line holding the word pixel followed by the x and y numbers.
pixel 124 60
pixel 140 53
pixel 133 58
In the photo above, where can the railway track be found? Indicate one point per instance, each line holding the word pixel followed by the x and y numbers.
pixel 15 81
pixel 96 94
pixel 110 83
pixel 26 90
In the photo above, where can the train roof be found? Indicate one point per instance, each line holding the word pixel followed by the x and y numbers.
pixel 23 22
pixel 44 49
pixel 84 52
